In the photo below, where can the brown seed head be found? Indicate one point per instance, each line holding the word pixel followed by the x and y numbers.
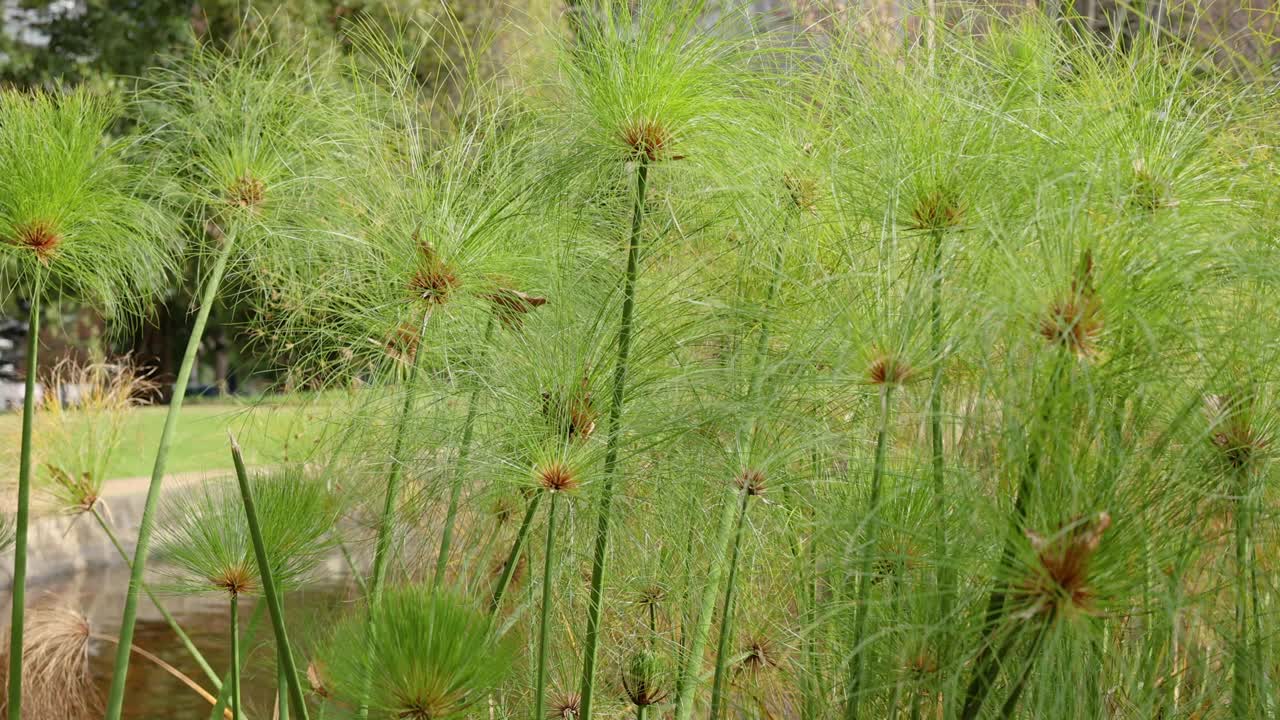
pixel 58 682
pixel 938 209
pixel 499 568
pixel 235 580
pixel 315 678
pixel 572 413
pixel 556 477
pixel 247 192
pixel 1074 321
pixel 753 481
pixel 922 663
pixel 434 280
pixel 648 139
pixel 1059 583
pixel 511 305
pixel 640 680
pixel 888 369
pixel 1238 439
pixel 402 342
pixel 423 705
pixel 564 706
pixel 40 237
pixel 758 655
pixel 651 594
pixel 504 509
pixel 81 492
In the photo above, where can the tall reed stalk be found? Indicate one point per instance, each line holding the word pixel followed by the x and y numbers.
pixel 946 575
pixel 269 590
pixel 513 556
pixel 687 682
pixel 992 653
pixel 400 431
pixel 23 515
pixel 544 616
pixel 726 613
pixel 236 705
pixel 595 605
pixel 857 669
pixel 1241 685
pixel 460 468
pixel 224 694
pixel 386 521
pixel 115 696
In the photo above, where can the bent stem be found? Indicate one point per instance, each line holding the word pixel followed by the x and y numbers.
pixel 544 621
pixel 596 601
pixel 509 570
pixel 460 470
pixel 726 614
pixel 168 618
pixel 177 674
pixel 24 511
pixel 857 671
pixel 269 590
pixel 115 697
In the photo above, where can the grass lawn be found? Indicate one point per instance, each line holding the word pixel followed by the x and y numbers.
pixel 270 432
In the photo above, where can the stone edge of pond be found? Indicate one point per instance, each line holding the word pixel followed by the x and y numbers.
pixel 63 545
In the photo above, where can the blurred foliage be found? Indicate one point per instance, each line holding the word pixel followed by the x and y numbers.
pixel 103 42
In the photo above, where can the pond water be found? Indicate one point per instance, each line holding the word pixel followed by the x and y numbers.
pixel 154 694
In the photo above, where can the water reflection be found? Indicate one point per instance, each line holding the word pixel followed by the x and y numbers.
pixel 154 694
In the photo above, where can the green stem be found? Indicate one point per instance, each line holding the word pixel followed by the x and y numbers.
pixel 385 524
pixel 1011 703
pixel 282 680
pixel 946 578
pixel 513 557
pixel 224 694
pixel 1240 695
pixel 640 711
pixel 544 621
pixel 460 470
pixel 596 602
pixel 689 680
pixel 24 511
pixel 726 614
pixel 168 618
pixel 986 665
pixel 355 571
pixel 269 590
pixel 235 656
pixel 115 697
pixel 996 657
pixel 857 672
pixel 387 519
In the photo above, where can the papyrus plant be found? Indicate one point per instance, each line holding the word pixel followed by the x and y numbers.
pixel 71 222
pixel 246 141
